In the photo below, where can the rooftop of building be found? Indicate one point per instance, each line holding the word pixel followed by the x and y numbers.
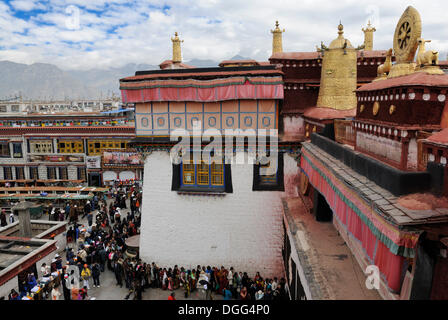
pixel 319 113
pixel 169 64
pixel 382 201
pixel 39 229
pixel 439 137
pixel 317 55
pixel 422 79
pixel 201 73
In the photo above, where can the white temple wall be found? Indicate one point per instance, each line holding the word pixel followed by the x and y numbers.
pixel 242 229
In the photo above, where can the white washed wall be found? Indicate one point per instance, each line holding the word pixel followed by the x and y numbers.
pixel 242 229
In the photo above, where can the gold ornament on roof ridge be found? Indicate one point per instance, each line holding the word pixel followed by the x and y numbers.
pixel 405 44
pixel 277 43
pixel 338 74
pixel 368 36
pixel 177 55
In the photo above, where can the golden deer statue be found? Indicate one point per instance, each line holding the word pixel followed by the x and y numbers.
pixel 424 57
pixel 384 68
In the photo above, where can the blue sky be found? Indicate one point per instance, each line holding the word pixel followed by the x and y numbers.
pixel 84 34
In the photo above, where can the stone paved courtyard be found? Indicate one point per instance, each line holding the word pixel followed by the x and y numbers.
pixel 108 289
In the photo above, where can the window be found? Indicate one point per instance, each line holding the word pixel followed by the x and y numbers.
pixel 71 146
pixel 63 173
pixel 15 108
pixel 34 173
pixel 41 146
pixel 269 182
pixel 17 150
pixel 96 147
pixel 4 149
pixel 202 174
pixel 82 174
pixel 20 173
pixel 2 108
pixel 51 173
pixel 7 173
pixel 202 177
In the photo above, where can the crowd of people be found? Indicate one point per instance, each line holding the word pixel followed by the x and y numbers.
pixel 212 280
pixel 101 245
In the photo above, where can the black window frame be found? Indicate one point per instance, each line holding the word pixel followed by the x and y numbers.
pixel 31 173
pixel 19 144
pixel 176 183
pixel 22 173
pixel 10 173
pixel 8 155
pixel 53 169
pixel 279 186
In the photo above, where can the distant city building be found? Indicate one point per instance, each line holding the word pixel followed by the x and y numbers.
pixel 65 141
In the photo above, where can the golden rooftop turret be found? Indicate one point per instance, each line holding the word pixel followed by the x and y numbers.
pixel 338 77
pixel 177 55
pixel 277 45
pixel 368 36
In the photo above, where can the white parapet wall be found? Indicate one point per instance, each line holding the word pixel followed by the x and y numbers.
pixel 242 229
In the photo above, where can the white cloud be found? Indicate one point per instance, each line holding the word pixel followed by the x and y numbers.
pixel 26 5
pixel 113 33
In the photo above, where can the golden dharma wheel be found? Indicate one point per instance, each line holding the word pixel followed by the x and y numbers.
pixel 407 33
pixel 376 108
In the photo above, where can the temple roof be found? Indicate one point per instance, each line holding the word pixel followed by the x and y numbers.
pixel 295 56
pixel 203 72
pixel 328 113
pixel 439 137
pixel 315 55
pixel 168 63
pixel 415 79
pixel 239 62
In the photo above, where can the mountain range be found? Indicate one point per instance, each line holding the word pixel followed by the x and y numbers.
pixel 44 81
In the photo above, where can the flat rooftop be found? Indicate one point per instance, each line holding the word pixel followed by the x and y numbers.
pixel 12 251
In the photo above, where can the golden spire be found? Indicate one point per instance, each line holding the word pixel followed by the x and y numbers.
pixel 338 75
pixel 368 36
pixel 277 45
pixel 340 29
pixel 177 56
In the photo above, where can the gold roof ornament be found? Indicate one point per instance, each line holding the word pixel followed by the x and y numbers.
pixel 339 74
pixel 340 41
pixel 427 61
pixel 368 36
pixel 277 42
pixel 407 33
pixel 177 55
pixel 407 40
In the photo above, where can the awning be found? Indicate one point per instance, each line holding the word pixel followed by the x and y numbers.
pixel 117 111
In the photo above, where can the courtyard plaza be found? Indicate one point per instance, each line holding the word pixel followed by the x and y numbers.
pixel 108 289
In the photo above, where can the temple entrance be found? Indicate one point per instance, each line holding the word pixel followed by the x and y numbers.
pixel 321 209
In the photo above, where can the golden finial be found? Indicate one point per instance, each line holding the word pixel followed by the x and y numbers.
pixel 368 36
pixel 177 55
pixel 277 45
pixel 340 28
